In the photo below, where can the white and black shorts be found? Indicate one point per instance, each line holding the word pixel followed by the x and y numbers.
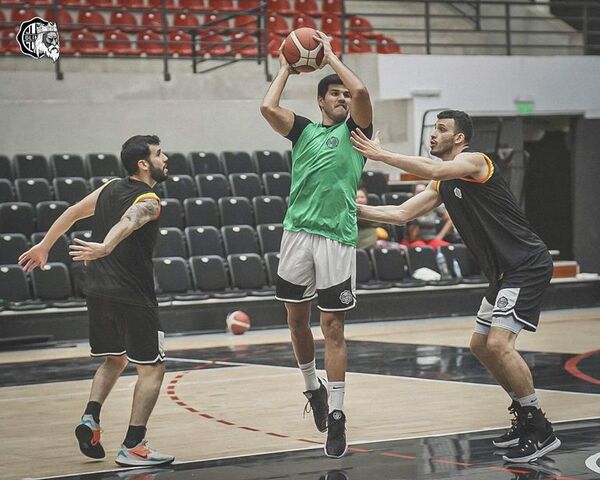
pixel 118 328
pixel 313 266
pixel 515 301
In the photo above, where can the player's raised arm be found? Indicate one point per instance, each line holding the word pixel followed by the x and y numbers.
pixel 361 110
pixel 414 207
pixel 281 119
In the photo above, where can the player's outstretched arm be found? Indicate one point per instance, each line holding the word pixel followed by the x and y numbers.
pixel 361 110
pixel 37 256
pixel 281 119
pixel 464 165
pixel 414 207
pixel 135 217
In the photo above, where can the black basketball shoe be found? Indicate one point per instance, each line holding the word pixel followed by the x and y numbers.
pixel 317 402
pixel 336 445
pixel 511 437
pixel 88 435
pixel 537 438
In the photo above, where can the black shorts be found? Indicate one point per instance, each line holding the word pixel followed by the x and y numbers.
pixel 519 293
pixel 123 329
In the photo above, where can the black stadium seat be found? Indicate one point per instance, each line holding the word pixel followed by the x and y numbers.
pixel 424 257
pixel 245 185
pixel 269 237
pixel 170 213
pixel 395 198
pixel 237 162
pixel 177 164
pixel 210 276
pixel 33 190
pixel 6 191
pixel 235 211
pixel 201 211
pixel 67 165
pixel 203 241
pixel 97 182
pixel 179 187
pixel 53 284
pixel 173 278
pixel 375 182
pixel 103 165
pixel 6 168
pixel 248 273
pixel 272 263
pixel 13 284
pixel 390 266
pixel 12 245
pixel 31 166
pixel 169 243
pixel 70 190
pixel 277 184
pixel 212 185
pixel 268 209
pixel 48 212
pixel 269 161
pixel 364 273
pixel 205 163
pixel 59 251
pixel 239 239
pixel 17 217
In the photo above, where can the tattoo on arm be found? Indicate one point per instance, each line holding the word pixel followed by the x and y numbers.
pixel 141 213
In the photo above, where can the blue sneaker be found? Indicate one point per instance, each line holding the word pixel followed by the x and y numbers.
pixel 88 435
pixel 141 456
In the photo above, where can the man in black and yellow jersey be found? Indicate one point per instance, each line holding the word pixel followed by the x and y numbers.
pixel 318 247
pixel 514 259
pixel 119 285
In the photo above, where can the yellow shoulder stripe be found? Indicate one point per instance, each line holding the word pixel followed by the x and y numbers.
pixel 490 166
pixel 149 196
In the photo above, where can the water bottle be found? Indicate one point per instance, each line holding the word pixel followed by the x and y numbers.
pixel 442 265
pixel 456 268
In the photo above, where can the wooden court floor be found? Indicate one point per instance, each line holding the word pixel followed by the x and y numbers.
pixel 246 408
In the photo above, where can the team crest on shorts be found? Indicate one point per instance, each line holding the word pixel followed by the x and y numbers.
pixel 457 192
pixel 346 297
pixel 502 302
pixel 332 142
pixel 39 38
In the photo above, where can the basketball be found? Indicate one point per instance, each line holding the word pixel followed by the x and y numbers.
pixel 238 322
pixel 302 51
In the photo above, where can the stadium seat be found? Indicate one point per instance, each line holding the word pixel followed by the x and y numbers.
pixel 169 243
pixel 205 162
pixel 22 14
pixel 152 20
pixel 274 44
pixel 117 42
pixel 6 191
pixel 173 278
pixel 201 211
pixel 332 6
pixel 59 251
pixel 9 42
pixel 85 42
pixel 12 245
pixel 171 214
pixel 77 272
pixel 70 190
pixel 269 237
pixel 204 241
pixel 235 211
pixel 209 275
pixel 331 24
pixel 268 209
pixel 390 266
pixel 130 3
pixel 32 190
pixel 6 168
pixel 281 7
pixel 13 284
pixel 216 22
pixel 277 184
pixel 248 4
pixel 17 217
pixel 375 182
pixel 67 165
pixel 212 185
pixel 360 25
pixel 179 187
pixel 71 3
pixel 244 45
pixel 97 182
pixel 177 163
pixel 159 4
pixel 245 185
pixel 358 44
pixel 54 284
pixel 373 199
pixel 303 21
pixel 239 239
pixel 272 263
pixel 123 20
pixel 246 23
pixel 387 45
pixel 100 3
pixel 85 235
pixel 193 5
pixel 469 270
pixel 62 18
pixel 185 21
pixel 237 162
pixel 269 161
pixel 424 257
pixel 395 198
pixel 31 166
pixel 248 273
pixel 365 279
pixel 307 7
pixel 214 45
pixel 92 20
pixel 150 43
pixel 224 5
pixel 277 24
pixel 47 212
pixel 103 165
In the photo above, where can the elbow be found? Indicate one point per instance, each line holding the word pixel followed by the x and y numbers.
pixel 267 111
pixel 361 93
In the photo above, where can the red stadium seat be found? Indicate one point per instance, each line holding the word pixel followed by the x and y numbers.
pixel 70 3
pixel 19 15
pixel 333 7
pixel 331 25
pixel 64 19
pixel 246 23
pixel 244 45
pixel 36 2
pixel 387 45
pixel 150 43
pixel 9 41
pixel 152 20
pixel 362 26
pixel 118 43
pixel 307 7
pixel 215 21
pixel 185 20
pixel 274 44
pixel 180 43
pixel 214 45
pixel 100 3
pixel 248 4
pixel 2 17
pixel 193 5
pixel 358 44
pixel 336 45
pixel 225 5
pixel 124 20
pixel 85 42
pixel 92 20
pixel 130 3
pixel 158 4
pixel 277 24
pixel 302 20
pixel 282 7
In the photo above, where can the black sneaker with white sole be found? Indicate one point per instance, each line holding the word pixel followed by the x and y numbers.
pixel 512 435
pixel 537 439
pixel 317 402
pixel 336 446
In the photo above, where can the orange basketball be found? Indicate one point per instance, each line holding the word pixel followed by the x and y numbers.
pixel 302 51
pixel 238 322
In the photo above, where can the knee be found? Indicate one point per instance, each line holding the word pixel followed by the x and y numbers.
pixel 478 346
pixel 498 347
pixel 156 371
pixel 333 328
pixel 117 363
pixel 298 316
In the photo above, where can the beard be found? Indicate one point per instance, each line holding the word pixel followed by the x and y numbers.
pixel 53 53
pixel 158 174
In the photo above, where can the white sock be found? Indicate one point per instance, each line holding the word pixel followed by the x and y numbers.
pixel 336 395
pixel 513 396
pixel 530 401
pixel 309 372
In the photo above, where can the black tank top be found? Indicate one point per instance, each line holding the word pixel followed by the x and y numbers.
pixel 490 221
pixel 126 275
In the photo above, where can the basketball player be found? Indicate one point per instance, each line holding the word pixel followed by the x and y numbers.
pixel 320 233
pixel 122 306
pixel 513 257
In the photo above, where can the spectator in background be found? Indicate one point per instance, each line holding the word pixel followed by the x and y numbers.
pixel 371 234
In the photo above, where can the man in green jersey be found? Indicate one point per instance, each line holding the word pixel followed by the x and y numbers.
pixel 318 246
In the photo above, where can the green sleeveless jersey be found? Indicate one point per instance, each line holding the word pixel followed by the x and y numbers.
pixel 326 172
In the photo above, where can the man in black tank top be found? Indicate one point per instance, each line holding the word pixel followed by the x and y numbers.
pixel 119 284
pixel 514 259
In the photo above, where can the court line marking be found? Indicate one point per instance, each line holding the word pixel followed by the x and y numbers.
pixel 592 463
pixel 572 366
pixel 377 375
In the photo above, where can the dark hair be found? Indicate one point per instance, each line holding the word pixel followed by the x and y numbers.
pixel 363 188
pixel 135 149
pixel 462 122
pixel 324 83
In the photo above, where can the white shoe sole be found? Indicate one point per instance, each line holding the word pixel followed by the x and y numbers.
pixel 534 456
pixel 509 443
pixel 132 462
pixel 335 456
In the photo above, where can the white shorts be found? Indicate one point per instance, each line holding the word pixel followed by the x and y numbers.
pixel 313 266
pixel 486 318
